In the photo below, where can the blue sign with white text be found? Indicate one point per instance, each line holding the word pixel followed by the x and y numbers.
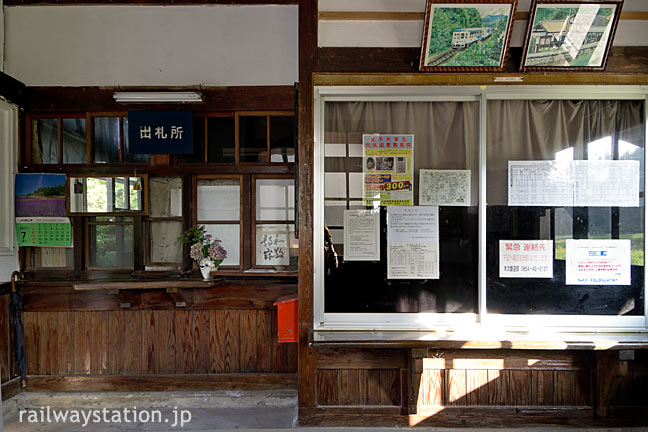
pixel 160 132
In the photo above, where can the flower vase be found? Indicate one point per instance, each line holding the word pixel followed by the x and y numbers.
pixel 206 267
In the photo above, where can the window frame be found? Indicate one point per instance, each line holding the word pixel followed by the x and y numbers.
pixel 481 321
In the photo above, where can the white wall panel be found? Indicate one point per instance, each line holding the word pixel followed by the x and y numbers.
pixel 151 45
pixel 403 34
pixel 419 5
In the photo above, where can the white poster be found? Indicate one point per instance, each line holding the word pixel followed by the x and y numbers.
pixel 599 183
pixel 606 183
pixel 413 242
pixel 361 235
pixel 598 262
pixel 444 187
pixel 272 247
pixel 526 258
pixel 540 183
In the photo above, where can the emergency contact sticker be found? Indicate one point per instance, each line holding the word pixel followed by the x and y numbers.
pixel 526 258
pixel 598 262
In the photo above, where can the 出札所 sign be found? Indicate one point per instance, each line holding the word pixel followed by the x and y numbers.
pixel 160 132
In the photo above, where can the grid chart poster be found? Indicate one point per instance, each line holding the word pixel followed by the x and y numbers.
pixel 40 210
pixel 598 262
pixel 526 258
pixel 413 242
pixel 388 170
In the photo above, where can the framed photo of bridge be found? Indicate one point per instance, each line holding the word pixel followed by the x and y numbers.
pixel 570 35
pixel 466 35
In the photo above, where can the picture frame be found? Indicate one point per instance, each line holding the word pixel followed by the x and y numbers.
pixel 466 35
pixel 570 35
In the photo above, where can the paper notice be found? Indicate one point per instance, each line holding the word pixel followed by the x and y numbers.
pixel 413 242
pixel 361 235
pixel 598 262
pixel 526 258
pixel 444 187
pixel 540 183
pixel 610 183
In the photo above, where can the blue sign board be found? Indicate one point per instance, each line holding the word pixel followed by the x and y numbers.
pixel 160 132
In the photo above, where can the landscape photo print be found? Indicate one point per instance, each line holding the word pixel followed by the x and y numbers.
pixel 470 35
pixel 570 35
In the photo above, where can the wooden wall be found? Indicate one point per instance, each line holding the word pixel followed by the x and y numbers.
pixel 477 388
pixel 219 337
pixel 148 342
pixel 8 364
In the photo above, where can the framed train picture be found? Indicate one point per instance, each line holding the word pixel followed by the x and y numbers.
pixel 570 35
pixel 466 35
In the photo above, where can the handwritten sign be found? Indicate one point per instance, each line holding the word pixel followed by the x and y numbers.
pixel 272 247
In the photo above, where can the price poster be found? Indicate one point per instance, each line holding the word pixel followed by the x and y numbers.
pixel 40 210
pixel 388 170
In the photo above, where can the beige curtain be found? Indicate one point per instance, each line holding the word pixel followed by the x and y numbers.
pixel 539 129
pixel 446 134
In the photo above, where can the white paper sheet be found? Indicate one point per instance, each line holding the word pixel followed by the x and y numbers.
pixel 608 183
pixel 444 187
pixel 598 262
pixel 361 235
pixel 540 183
pixel 526 258
pixel 599 183
pixel 272 245
pixel 413 242
pixel 413 261
pixel 413 224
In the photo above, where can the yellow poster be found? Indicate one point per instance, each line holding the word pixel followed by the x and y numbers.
pixel 388 167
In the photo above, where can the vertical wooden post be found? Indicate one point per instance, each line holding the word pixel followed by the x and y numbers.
pixel 609 372
pixel 307 65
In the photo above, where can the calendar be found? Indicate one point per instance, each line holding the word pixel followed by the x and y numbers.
pixel 44 232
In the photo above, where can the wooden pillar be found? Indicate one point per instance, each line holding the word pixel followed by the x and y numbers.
pixel 307 65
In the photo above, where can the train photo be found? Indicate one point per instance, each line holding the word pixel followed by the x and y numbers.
pixel 461 38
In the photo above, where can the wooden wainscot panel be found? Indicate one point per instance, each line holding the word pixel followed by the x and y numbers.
pixel 482 378
pixel 361 387
pixel 344 358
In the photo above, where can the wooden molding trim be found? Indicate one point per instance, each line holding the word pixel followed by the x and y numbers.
pixel 11 388
pixel 420 16
pixel 11 89
pixel 161 382
pixel 376 79
pixel 448 416
pixel 146 2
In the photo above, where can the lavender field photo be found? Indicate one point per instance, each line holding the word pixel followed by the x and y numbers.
pixel 40 195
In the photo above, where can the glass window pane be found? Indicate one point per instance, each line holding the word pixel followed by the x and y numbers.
pixel 111 245
pixel 253 139
pixel 219 200
pixel 45 141
pixel 276 246
pixel 275 199
pixel 165 195
pixel 448 137
pixel 198 155
pixel 97 195
pixel 74 140
pixel 135 193
pixel 105 139
pixel 220 135
pixel 132 157
pixel 120 194
pixel 164 244
pixel 230 237
pixel 586 132
pixel 282 139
